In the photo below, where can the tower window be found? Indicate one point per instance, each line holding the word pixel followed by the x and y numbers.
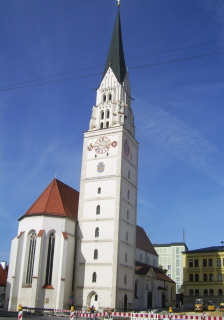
pixel 95 256
pixel 99 190
pixel 50 258
pixel 107 124
pixel 98 209
pixel 109 96
pixel 108 114
pixel 31 256
pixel 104 98
pixel 126 257
pixel 101 125
pixel 128 194
pixel 125 279
pixel 127 236
pixel 97 232
pixel 127 214
pixel 96 297
pixel 102 115
pixel 129 174
pixel 94 277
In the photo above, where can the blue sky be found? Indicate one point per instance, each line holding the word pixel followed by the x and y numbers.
pixel 178 107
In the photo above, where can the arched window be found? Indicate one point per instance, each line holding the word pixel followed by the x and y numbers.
pixel 127 214
pixel 196 277
pixel 125 279
pixel 99 190
pixel 191 292
pixel 108 114
pixel 102 115
pixel 220 292
pixel 31 256
pixel 219 277
pixel 210 277
pixel 191 277
pixel 205 292
pixel 129 174
pixel 98 209
pixel 205 277
pixel 50 258
pixel 107 124
pixel 94 277
pixel 95 256
pixel 211 292
pixel 97 232
pixel 104 98
pixel 109 96
pixel 127 236
pixel 101 125
pixel 197 292
pixel 126 257
pixel 128 194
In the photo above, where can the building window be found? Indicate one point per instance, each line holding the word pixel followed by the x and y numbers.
pixel 128 194
pixel 107 114
pixel 104 98
pixel 99 190
pixel 126 257
pixel 101 125
pixel 204 262
pixel 98 209
pixel 50 258
pixel 125 279
pixel 219 277
pixel 109 96
pixel 205 292
pixel 95 256
pixel 127 236
pixel 127 214
pixel 211 292
pixel 191 292
pixel 196 263
pixel 169 266
pixel 205 277
pixel 196 292
pixel 196 277
pixel 191 277
pixel 177 250
pixel 94 277
pixel 210 277
pixel 220 292
pixel 107 124
pixel 219 262
pixel 96 297
pixel 31 256
pixel 129 174
pixel 102 115
pixel 178 263
pixel 97 232
pixel 210 262
pixel 191 263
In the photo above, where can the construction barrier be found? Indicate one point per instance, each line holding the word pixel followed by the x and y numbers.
pixel 20 312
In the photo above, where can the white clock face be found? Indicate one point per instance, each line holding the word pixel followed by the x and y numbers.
pixel 102 145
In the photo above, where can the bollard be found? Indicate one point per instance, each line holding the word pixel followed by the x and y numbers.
pixel 20 312
pixel 72 312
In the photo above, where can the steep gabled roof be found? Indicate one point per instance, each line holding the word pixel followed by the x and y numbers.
pixel 143 242
pixel 143 269
pixel 115 58
pixel 58 199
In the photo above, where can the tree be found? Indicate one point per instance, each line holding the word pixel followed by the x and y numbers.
pixel 163 269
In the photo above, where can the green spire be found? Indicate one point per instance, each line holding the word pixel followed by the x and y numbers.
pixel 115 58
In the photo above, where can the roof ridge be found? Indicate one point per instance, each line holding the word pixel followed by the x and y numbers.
pixel 60 194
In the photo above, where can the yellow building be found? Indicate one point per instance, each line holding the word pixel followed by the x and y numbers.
pixel 203 276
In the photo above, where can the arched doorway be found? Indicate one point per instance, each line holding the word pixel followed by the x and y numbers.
pixel 149 300
pixel 125 303
pixel 92 300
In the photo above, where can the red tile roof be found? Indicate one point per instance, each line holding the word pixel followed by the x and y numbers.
pixel 143 242
pixel 3 276
pixel 58 199
pixel 143 269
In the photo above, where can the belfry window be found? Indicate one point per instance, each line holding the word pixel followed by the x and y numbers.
pixel 128 194
pixel 94 277
pixel 126 257
pixel 125 279
pixel 127 236
pixel 101 125
pixel 98 209
pixel 108 114
pixel 102 115
pixel 31 256
pixel 95 256
pixel 104 98
pixel 50 258
pixel 107 124
pixel 127 214
pixel 97 232
pixel 109 96
pixel 99 190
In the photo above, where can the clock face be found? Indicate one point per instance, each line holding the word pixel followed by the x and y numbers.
pixel 102 145
pixel 126 147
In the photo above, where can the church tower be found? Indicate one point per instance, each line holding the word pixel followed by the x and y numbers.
pixel 105 265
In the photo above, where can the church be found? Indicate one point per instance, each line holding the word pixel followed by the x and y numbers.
pixel 84 248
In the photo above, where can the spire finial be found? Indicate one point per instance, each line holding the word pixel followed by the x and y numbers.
pixel 55 175
pixel 118 2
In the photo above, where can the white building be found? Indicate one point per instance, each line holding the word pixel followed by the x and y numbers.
pixel 171 258
pixel 85 254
